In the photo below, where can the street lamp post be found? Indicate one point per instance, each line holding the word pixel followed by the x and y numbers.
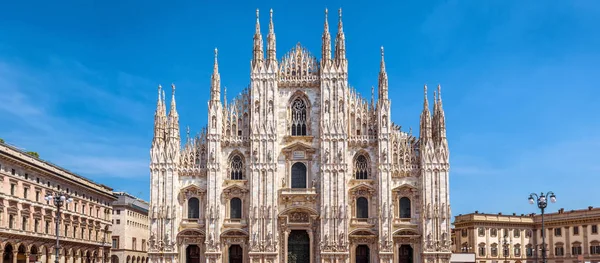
pixel 59 200
pixel 542 203
pixel 505 243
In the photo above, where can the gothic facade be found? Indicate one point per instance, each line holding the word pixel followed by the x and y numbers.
pixel 299 168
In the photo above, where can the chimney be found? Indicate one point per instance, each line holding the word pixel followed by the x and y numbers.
pixel 514 214
pixel 500 213
pixel 560 211
pixel 590 208
pixel 476 212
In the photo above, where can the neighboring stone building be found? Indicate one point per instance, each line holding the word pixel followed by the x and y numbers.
pixel 130 229
pixel 27 220
pixel 572 236
pixel 300 168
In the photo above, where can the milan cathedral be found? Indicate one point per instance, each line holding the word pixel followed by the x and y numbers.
pixel 300 168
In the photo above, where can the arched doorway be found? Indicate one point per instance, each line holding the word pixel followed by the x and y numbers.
pixel 236 254
pixel 8 253
pixel 33 253
pixel 362 254
pixel 88 257
pixel 21 254
pixel 192 254
pixel 405 254
pixel 114 259
pixel 298 247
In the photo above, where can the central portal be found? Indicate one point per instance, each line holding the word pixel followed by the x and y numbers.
pixel 298 247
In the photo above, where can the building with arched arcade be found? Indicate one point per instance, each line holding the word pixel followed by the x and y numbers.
pixel 299 168
pixel 130 229
pixel 27 220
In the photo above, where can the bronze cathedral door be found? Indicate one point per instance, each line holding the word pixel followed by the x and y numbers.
pixel 298 247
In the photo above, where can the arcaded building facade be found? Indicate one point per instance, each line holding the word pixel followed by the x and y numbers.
pixel 300 168
pixel 130 229
pixel 27 220
pixel 572 236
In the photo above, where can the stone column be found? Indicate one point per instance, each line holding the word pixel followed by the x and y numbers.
pixel 26 257
pixel 285 245
pixel 311 250
pixel 567 242
pixel 549 241
pixel 15 253
pixel 1 255
pixel 585 241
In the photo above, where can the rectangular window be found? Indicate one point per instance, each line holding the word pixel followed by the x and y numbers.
pixel 595 249
pixel 576 250
pixel 464 232
pixel 143 244
pixel 575 230
pixel 76 207
pixel 481 232
pixel 559 251
pixel 118 221
pixel 13 187
pixel 517 232
pixel 115 242
pixel 133 243
pixel 36 223
pixel 25 192
pixel 595 229
pixel 557 232
pixel 24 224
pixel 47 230
pixel 74 231
pixel 13 171
pixel 37 196
pixel 66 232
pixel 529 252
pixel 11 221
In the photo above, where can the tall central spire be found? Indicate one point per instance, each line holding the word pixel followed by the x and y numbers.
pixel 271 47
pixel 383 79
pixel 340 40
pixel 215 85
pixel 326 45
pixel 258 43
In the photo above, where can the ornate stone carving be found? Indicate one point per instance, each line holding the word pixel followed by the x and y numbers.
pixel 298 217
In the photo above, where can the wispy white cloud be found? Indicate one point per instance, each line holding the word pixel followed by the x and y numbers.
pixel 65 112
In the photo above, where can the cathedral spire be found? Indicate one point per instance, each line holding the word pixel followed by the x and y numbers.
pixel 340 41
pixel 258 43
pixel 271 47
pixel 383 79
pixel 326 45
pixel 215 85
pixel 425 125
pixel 159 117
pixel 173 116
pixel 441 118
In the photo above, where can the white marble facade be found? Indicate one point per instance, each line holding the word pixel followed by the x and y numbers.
pixel 299 168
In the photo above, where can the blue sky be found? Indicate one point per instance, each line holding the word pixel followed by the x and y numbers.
pixel 519 78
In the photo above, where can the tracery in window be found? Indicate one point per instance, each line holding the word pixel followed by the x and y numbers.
pixel 298 109
pixel 361 168
pixel 236 167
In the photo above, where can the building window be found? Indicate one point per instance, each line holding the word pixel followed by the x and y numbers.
pixel 298 110
pixel 529 251
pixel 517 250
pixel 481 231
pixel 481 250
pixel 464 233
pixel 36 222
pixel 118 211
pixel 47 228
pixel 575 230
pixel 115 242
pixel 12 189
pixel 237 167
pixel 143 244
pixel 361 168
pixel 362 208
pixel 517 232
pixel 494 250
pixel 193 208
pixel 494 232
pixel 559 250
pixel 576 248
pixel 298 175
pixel 24 224
pixel 12 171
pixel 595 229
pixel 133 243
pixel 37 196
pixel 235 206
pixel 405 207
pixel 118 221
pixel 25 192
pixel 594 248
pixel 557 232
pixel 528 233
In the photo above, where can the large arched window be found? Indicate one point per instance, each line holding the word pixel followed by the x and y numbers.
pixel 405 207
pixel 361 168
pixel 298 175
pixel 362 207
pixel 236 167
pixel 193 208
pixel 235 206
pixel 298 110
